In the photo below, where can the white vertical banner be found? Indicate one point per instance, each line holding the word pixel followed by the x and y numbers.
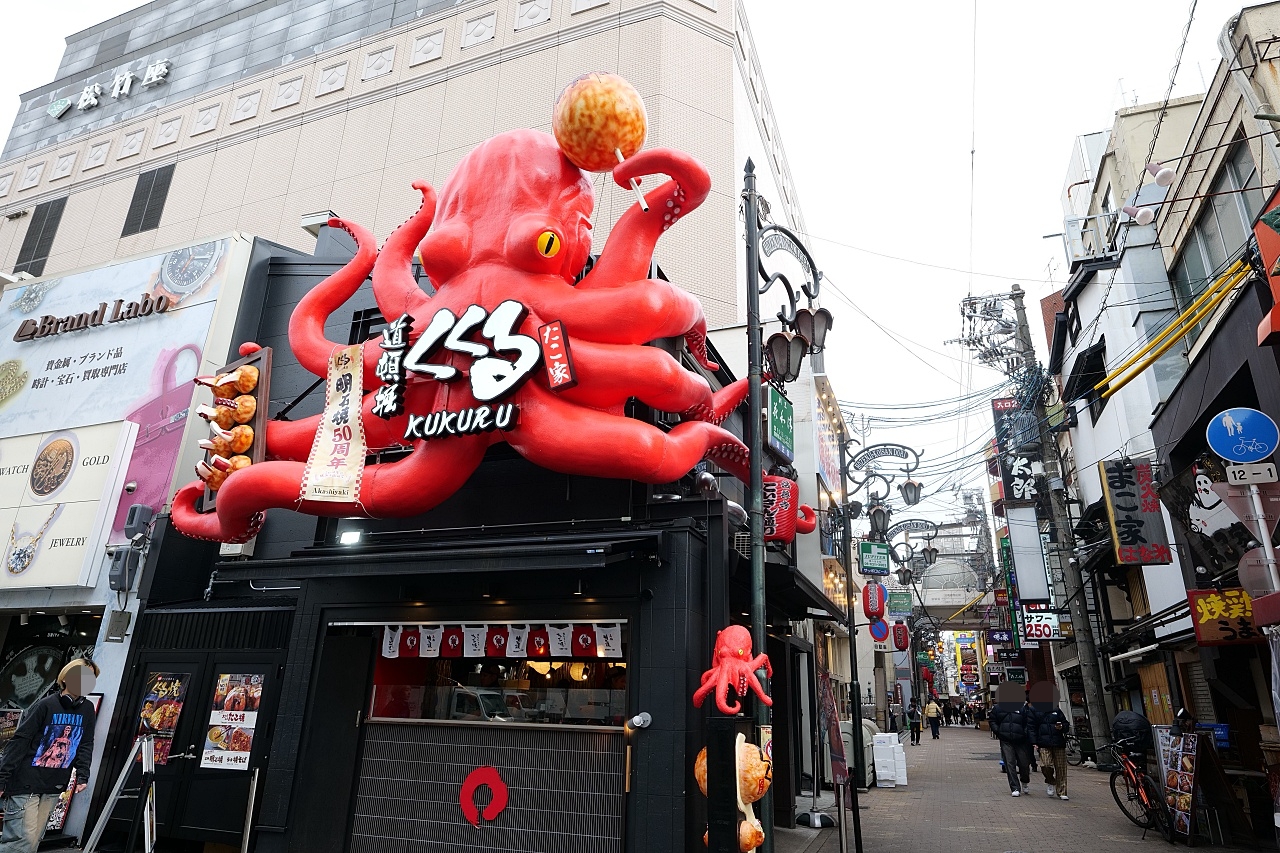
pixel 430 635
pixel 391 641
pixel 473 640
pixel 561 640
pixel 518 641
pixel 1029 567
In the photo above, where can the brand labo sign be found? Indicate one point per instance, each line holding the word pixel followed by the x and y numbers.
pixel 29 330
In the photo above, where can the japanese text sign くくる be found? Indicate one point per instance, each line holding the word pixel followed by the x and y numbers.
pixel 1133 508
pixel 1223 618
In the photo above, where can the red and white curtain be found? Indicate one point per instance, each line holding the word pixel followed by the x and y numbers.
pixel 539 640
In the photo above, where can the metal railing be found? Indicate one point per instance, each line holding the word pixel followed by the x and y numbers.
pixel 1090 238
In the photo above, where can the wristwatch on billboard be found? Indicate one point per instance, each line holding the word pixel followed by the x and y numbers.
pixel 184 271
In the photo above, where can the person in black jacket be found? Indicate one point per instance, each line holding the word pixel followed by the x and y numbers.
pixel 55 737
pixel 1050 735
pixel 1009 721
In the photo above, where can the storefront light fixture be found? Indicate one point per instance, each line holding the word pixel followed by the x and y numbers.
pixel 349 537
pixel 1162 174
pixel 581 587
pixel 786 353
pixel 813 325
pixel 1140 215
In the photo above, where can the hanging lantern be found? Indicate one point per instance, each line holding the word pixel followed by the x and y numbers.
pixel 901 637
pixel 926 674
pixel 873 601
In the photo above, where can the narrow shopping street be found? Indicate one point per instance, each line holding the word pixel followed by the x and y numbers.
pixel 957 801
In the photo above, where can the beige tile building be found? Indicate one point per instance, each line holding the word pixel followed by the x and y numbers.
pixel 349 128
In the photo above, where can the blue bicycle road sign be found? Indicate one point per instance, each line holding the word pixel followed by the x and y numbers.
pixel 1242 435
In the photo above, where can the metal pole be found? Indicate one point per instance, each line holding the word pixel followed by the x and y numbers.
pixel 248 811
pixel 755 443
pixel 1090 673
pixel 844 839
pixel 1264 534
pixel 859 761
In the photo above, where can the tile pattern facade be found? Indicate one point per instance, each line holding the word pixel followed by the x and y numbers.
pixel 357 148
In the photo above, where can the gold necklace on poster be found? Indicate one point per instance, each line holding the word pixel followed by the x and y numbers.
pixel 20 556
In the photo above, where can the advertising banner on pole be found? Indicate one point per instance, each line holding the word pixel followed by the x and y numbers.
pixel 1031 573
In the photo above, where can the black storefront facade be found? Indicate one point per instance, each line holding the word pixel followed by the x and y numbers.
pixel 1227 685
pixel 356 747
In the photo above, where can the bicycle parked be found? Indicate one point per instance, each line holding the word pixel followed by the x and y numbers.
pixel 1075 754
pixel 1137 794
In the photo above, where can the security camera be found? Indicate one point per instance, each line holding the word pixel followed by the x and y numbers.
pixel 1073 563
pixel 131 487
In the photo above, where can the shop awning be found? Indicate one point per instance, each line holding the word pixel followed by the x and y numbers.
pixel 787 587
pixel 513 554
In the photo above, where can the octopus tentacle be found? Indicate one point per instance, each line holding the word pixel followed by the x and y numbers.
pixel 628 252
pixel 394 287
pixel 754 684
pixel 306 325
pixel 722 404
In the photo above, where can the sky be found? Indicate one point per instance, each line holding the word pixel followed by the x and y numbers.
pixel 879 107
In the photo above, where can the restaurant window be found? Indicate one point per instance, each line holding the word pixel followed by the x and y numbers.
pixel 552 674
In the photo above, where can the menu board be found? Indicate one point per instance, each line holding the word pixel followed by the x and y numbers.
pixel 1178 763
pixel 229 740
pixel 161 708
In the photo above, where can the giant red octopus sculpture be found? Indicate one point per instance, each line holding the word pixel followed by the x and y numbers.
pixel 485 243
pixel 733 669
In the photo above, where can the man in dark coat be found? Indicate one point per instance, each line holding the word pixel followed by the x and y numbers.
pixel 55 737
pixel 1050 735
pixel 1010 722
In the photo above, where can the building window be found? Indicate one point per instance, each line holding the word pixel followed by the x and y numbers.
pixel 39 239
pixel 1090 369
pixel 148 201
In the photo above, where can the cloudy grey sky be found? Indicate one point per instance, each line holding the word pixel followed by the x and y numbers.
pixel 874 102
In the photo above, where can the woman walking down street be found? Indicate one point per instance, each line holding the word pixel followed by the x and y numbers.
pixel 914 721
pixel 1050 736
pixel 1010 723
pixel 933 714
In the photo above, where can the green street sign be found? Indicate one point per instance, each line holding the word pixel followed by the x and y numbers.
pixel 780 425
pixel 873 558
pixel 900 604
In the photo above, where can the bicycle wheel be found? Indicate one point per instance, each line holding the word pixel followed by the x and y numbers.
pixel 1075 755
pixel 1159 814
pixel 1129 800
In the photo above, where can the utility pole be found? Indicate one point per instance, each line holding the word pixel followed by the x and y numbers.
pixel 1086 648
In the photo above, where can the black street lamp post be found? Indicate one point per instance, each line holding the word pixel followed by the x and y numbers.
pixel 804 330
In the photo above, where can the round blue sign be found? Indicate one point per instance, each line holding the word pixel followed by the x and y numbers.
pixel 879 630
pixel 1242 435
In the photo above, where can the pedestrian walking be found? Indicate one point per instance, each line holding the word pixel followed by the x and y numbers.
pixel 914 721
pixel 55 737
pixel 1050 736
pixel 933 714
pixel 1010 723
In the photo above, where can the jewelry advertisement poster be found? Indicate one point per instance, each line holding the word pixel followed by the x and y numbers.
pixel 234 716
pixel 161 708
pixel 58 493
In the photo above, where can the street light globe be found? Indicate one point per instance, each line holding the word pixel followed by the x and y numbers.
pixel 786 353
pixel 930 555
pixel 813 325
pixel 879 518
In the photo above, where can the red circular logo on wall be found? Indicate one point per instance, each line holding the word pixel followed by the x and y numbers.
pixel 489 777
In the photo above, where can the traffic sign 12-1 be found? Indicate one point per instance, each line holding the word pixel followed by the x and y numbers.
pixel 1242 435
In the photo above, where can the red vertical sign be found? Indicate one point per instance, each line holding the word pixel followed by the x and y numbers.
pixel 556 357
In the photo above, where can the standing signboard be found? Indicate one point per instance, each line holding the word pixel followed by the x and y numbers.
pixel 828 717
pixel 1138 533
pixel 1179 761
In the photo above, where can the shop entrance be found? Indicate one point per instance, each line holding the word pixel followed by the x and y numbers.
pixel 211 715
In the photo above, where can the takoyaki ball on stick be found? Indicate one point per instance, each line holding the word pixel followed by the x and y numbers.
pixel 223 416
pixel 228 442
pixel 242 407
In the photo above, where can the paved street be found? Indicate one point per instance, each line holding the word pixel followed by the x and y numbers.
pixel 957 801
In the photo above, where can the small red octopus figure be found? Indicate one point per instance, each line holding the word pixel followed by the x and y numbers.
pixel 513 224
pixel 733 668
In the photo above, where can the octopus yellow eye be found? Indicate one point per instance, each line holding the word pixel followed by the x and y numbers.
pixel 549 244
pixel 739 652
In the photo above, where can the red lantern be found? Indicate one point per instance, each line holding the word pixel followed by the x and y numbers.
pixel 926 674
pixel 873 601
pixel 901 637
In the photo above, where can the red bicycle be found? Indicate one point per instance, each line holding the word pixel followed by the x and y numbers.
pixel 1137 794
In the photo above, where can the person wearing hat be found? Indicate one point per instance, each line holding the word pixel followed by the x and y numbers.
pixel 55 737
